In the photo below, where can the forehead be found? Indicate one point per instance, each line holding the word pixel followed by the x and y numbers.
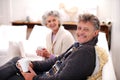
pixel 85 24
pixel 51 17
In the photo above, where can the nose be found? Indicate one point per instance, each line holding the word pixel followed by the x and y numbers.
pixel 52 22
pixel 79 31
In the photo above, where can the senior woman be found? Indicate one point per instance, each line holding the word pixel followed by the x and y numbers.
pixel 59 39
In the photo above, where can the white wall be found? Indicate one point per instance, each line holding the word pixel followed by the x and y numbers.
pixel 5 14
pixel 115 49
pixel 105 10
pixel 109 11
pixel 35 8
pixel 18 9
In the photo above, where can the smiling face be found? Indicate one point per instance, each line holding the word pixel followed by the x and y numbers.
pixel 86 32
pixel 53 23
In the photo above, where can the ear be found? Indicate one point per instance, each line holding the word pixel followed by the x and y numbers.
pixel 97 32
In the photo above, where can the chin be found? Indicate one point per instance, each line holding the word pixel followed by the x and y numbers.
pixel 81 41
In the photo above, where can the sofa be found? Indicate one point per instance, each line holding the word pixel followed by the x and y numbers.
pixel 14 43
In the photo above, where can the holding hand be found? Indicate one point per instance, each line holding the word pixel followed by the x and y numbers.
pixel 29 75
pixel 43 52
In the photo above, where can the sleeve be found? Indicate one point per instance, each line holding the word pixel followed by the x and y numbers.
pixel 43 65
pixel 52 56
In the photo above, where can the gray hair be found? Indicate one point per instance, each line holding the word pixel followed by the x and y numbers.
pixel 51 13
pixel 90 18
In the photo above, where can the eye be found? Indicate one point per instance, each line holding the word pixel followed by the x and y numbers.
pixel 54 20
pixel 86 29
pixel 49 21
pixel 79 28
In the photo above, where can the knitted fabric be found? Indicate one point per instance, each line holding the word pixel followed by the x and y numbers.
pixel 103 58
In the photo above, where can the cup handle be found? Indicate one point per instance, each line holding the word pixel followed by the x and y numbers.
pixel 18 66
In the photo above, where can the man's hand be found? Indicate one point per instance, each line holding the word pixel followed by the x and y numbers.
pixel 29 75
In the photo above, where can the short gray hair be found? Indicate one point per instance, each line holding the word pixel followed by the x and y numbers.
pixel 51 13
pixel 87 17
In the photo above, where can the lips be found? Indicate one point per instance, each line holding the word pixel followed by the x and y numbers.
pixel 81 36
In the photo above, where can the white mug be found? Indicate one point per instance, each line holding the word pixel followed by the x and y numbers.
pixel 40 47
pixel 24 64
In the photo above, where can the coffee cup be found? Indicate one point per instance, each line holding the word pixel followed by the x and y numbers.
pixel 40 48
pixel 24 64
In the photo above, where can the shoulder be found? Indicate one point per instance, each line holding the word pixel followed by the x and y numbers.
pixel 66 33
pixel 86 50
pixel 85 54
pixel 63 30
pixel 49 34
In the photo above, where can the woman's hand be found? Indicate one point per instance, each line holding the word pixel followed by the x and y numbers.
pixel 29 75
pixel 43 52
